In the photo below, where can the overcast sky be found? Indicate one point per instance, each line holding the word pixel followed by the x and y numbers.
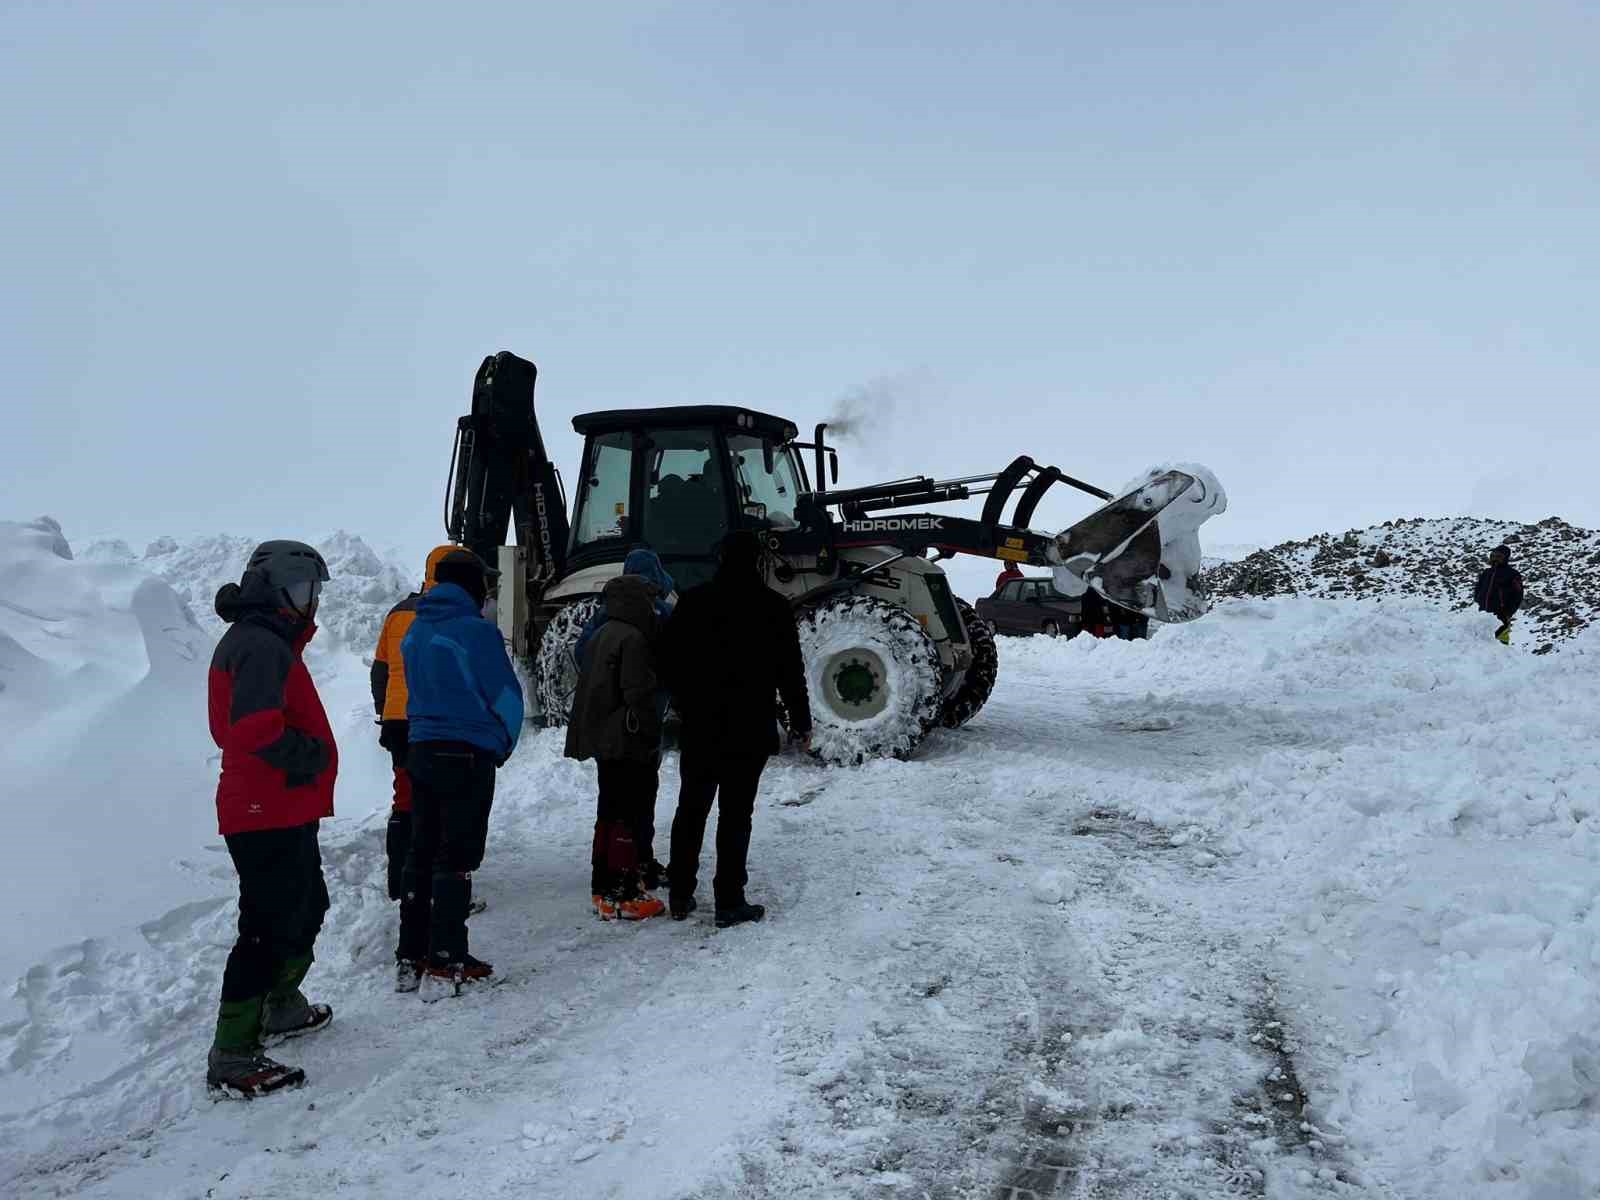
pixel 1345 255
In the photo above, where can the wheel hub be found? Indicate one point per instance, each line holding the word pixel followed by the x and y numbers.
pixel 856 683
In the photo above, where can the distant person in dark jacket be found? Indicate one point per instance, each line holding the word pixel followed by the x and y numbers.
pixel 729 650
pixel 279 762
pixel 464 712
pixel 1499 590
pixel 617 722
pixel 644 563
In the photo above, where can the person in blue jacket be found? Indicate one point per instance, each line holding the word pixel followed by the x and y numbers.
pixel 465 712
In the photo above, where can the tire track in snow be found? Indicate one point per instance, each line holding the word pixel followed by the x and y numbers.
pixel 1162 1069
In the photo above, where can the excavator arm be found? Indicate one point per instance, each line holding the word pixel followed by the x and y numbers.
pixel 500 474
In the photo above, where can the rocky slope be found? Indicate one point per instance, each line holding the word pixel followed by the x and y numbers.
pixel 1436 560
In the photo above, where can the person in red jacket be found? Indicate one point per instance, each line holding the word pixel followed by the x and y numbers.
pixel 279 762
pixel 1012 571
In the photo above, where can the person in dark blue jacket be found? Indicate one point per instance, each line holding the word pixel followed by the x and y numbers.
pixel 465 712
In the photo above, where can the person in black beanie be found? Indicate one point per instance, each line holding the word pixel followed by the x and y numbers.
pixel 730 649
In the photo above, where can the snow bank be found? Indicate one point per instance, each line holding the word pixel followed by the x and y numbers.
pixel 1422 808
pixel 108 761
pixel 355 600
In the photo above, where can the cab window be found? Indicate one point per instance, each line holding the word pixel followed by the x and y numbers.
pixel 685 507
pixel 602 509
pixel 775 490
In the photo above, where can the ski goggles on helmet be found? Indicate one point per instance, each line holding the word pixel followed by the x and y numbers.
pixel 303 595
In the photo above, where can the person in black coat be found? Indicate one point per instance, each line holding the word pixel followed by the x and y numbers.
pixel 730 649
pixel 1499 590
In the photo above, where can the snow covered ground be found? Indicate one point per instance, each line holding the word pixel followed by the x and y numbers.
pixel 1297 900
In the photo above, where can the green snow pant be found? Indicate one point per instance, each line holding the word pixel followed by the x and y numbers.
pixel 282 900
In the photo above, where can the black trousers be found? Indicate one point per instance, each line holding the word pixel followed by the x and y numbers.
pixel 282 899
pixel 452 791
pixel 731 781
pixel 625 822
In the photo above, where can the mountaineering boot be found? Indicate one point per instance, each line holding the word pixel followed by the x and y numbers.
pixel 476 907
pixel 682 906
pixel 738 914
pixel 286 1013
pixel 407 975
pixel 1503 634
pixel 440 980
pixel 640 907
pixel 652 874
pixel 246 1074
pixel 604 907
pixel 291 1016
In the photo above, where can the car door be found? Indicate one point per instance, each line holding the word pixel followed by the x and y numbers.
pixel 1034 594
pixel 1066 612
pixel 1003 607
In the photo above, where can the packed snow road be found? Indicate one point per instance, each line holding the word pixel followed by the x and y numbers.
pixel 1156 924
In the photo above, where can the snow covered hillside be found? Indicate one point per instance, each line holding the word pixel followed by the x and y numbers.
pixel 1436 560
pixel 1298 900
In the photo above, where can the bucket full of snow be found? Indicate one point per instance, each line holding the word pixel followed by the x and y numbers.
pixel 1142 550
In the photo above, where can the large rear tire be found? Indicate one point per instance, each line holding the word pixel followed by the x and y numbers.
pixel 979 683
pixel 556 664
pixel 873 676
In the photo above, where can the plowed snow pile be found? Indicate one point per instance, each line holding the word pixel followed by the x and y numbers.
pixel 1297 900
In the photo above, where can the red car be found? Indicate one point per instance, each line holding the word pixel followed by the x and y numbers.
pixel 1028 606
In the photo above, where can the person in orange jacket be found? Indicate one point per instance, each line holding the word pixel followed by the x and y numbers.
pixel 389 697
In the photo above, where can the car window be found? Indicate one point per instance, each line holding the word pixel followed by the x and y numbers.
pixel 1012 590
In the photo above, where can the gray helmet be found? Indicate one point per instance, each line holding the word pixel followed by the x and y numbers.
pixel 283 571
pixel 283 563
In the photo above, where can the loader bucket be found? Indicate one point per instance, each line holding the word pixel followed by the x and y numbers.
pixel 1142 550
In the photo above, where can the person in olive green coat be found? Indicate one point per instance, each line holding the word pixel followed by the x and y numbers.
pixel 615 721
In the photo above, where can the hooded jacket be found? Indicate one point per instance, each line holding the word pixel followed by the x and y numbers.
pixel 388 667
pixel 614 712
pixel 460 684
pixel 730 649
pixel 1499 589
pixel 279 759
pixel 647 565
